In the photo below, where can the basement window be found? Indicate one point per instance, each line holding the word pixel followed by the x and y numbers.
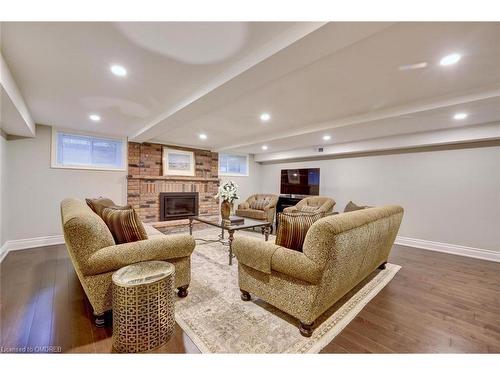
pixel 84 151
pixel 233 165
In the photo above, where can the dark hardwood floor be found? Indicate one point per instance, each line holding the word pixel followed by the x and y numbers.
pixel 436 303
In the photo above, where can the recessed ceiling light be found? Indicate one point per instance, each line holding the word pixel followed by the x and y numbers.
pixel 95 118
pixel 202 136
pixel 450 59
pixel 460 116
pixel 420 65
pixel 264 147
pixel 265 117
pixel 118 70
pixel 327 137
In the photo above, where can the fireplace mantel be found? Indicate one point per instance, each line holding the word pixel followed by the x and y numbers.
pixel 173 178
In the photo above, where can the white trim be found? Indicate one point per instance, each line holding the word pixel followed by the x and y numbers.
pixel 89 168
pixel 465 251
pixel 53 151
pixel 29 243
pixel 3 252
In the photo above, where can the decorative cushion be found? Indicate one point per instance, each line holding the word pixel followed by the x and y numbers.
pixel 259 204
pixel 252 214
pixel 293 228
pixel 308 208
pixel 243 206
pixel 99 204
pixel 124 225
pixel 351 206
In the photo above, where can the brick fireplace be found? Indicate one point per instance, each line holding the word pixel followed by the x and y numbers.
pixel 145 180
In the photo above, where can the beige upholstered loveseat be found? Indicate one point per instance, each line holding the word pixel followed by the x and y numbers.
pixel 259 207
pixel 95 255
pixel 339 251
pixel 313 204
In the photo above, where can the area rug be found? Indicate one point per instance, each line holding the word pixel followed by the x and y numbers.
pixel 218 321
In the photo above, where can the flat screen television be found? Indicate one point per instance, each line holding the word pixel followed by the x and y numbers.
pixel 300 181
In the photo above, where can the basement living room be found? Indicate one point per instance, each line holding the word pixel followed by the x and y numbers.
pixel 250 187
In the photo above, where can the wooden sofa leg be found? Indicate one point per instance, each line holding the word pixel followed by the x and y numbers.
pixel 382 266
pixel 306 330
pixel 183 291
pixel 100 322
pixel 245 296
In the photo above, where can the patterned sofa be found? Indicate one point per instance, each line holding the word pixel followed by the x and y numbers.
pixel 339 251
pixel 313 204
pixel 259 207
pixel 95 256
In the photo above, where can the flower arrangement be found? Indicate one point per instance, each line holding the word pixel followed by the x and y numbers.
pixel 228 191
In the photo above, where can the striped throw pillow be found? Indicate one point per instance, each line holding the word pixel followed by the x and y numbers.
pixel 259 204
pixel 293 227
pixel 125 225
pixel 308 208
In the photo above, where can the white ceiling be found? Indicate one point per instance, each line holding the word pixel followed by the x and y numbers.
pixel 62 69
pixel 341 79
pixel 480 112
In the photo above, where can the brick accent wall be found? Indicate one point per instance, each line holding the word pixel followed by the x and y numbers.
pixel 145 180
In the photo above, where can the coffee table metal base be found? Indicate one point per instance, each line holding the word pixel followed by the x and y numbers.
pixel 265 227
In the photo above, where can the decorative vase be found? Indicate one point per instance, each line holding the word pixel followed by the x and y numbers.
pixel 225 210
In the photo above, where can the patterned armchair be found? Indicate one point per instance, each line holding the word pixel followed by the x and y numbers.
pixel 259 207
pixel 339 251
pixel 313 204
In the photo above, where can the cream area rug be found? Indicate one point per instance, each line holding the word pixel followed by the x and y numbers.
pixel 218 321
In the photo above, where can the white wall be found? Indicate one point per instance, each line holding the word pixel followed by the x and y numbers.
pixel 248 185
pixel 450 196
pixel 35 190
pixel 3 172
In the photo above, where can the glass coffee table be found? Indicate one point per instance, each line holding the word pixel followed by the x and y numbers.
pixel 231 228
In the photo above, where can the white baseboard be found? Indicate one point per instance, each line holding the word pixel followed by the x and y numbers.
pixel 3 252
pixel 29 243
pixel 465 251
pixel 470 252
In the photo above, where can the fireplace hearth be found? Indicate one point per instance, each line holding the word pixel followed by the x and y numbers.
pixel 175 206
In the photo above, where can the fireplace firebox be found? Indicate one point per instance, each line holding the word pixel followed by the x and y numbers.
pixel 175 206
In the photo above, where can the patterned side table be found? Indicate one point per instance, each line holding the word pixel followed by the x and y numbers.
pixel 143 306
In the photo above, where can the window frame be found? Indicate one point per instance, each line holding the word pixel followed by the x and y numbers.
pixel 231 174
pixel 54 147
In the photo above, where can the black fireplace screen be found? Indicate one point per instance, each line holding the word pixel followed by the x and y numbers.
pixel 174 206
